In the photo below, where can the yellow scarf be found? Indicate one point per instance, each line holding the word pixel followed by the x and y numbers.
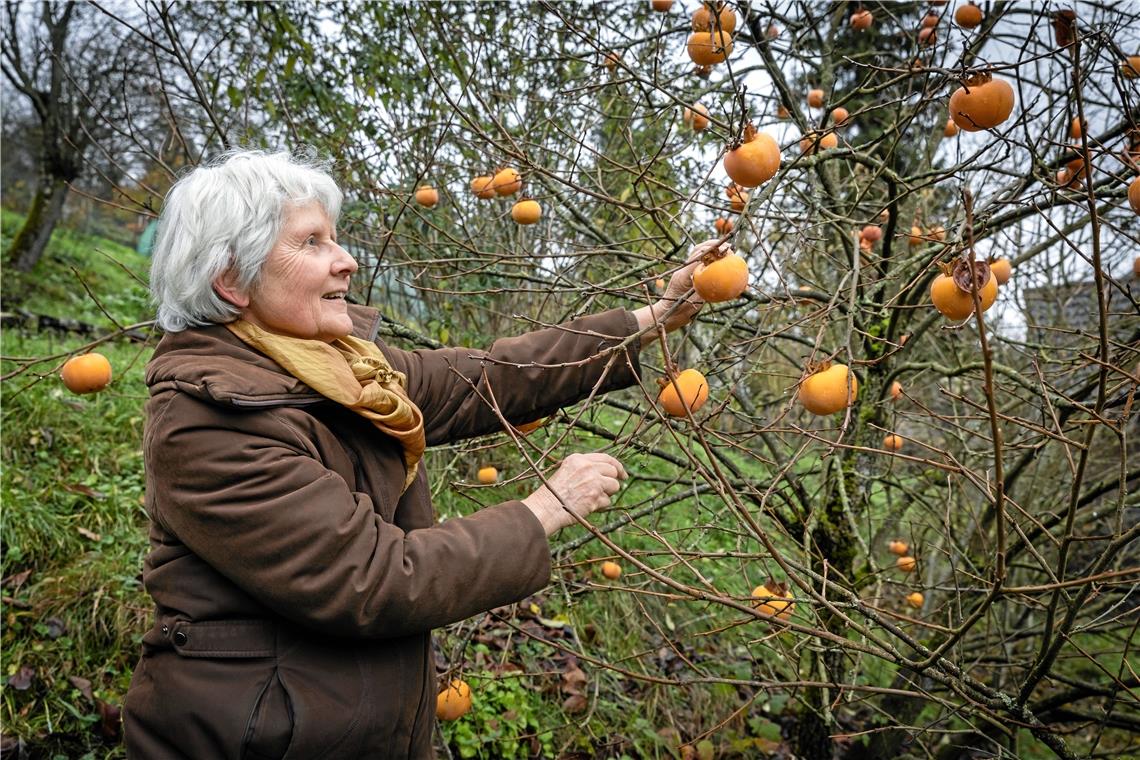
pixel 351 372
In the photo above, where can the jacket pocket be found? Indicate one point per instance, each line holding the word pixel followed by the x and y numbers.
pixel 270 728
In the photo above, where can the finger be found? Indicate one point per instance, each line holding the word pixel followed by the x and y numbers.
pixel 610 486
pixel 700 249
pixel 619 470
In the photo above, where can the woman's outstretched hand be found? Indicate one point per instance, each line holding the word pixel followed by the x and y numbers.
pixel 582 484
pixel 680 284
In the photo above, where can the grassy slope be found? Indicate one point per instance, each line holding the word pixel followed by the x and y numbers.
pixel 73 530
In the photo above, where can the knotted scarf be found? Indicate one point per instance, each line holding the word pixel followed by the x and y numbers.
pixel 353 373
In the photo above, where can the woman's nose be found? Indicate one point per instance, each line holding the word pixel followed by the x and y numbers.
pixel 344 263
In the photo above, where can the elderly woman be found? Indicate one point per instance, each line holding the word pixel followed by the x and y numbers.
pixel 295 564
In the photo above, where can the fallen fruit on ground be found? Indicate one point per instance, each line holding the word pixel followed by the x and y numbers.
pixel 611 570
pixel 755 161
pixel 694 392
pixel 950 293
pixel 829 390
pixel 773 599
pixel 487 475
pixel 982 102
pixel 453 702
pixel 708 48
pixel 1002 270
pixel 86 373
pixel 526 212
pixel 915 600
pixel 893 442
pixel 507 182
pixel 427 196
pixel 906 564
pixel 721 279
pixel 899 548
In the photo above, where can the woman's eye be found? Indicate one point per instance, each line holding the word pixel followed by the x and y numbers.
pixel 312 240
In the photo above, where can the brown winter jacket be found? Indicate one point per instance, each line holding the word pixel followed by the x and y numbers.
pixel 295 589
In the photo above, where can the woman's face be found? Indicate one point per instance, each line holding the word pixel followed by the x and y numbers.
pixel 303 282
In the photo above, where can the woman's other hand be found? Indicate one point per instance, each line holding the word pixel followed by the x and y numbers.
pixel 582 484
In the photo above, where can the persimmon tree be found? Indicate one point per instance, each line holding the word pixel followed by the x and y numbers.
pixel 934 557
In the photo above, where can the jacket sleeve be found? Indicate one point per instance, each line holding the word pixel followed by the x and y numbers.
pixel 293 534
pixel 529 376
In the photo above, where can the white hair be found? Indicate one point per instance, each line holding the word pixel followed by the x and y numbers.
pixel 227 215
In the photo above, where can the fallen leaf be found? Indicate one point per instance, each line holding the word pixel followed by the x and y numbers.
pixel 84 490
pixel 575 703
pixel 21 680
pixel 89 534
pixel 17 603
pixel 83 685
pixel 15 581
pixel 574 680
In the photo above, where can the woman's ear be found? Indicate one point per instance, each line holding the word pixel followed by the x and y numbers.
pixel 225 285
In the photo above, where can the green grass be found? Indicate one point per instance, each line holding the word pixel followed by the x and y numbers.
pixel 81 277
pixel 74 530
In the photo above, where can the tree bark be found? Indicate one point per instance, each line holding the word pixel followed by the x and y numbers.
pixel 30 242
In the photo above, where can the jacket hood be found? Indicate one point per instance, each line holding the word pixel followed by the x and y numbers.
pixel 213 364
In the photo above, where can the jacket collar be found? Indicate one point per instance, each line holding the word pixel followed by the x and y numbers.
pixel 213 364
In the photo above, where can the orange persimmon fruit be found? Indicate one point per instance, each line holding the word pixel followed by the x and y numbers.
pixel 694 392
pixel 829 390
pixel 427 196
pixel 755 161
pixel 526 211
pixel 982 102
pixel 453 702
pixel 86 373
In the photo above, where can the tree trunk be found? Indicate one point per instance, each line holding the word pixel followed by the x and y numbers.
pixel 29 243
pixel 834 543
